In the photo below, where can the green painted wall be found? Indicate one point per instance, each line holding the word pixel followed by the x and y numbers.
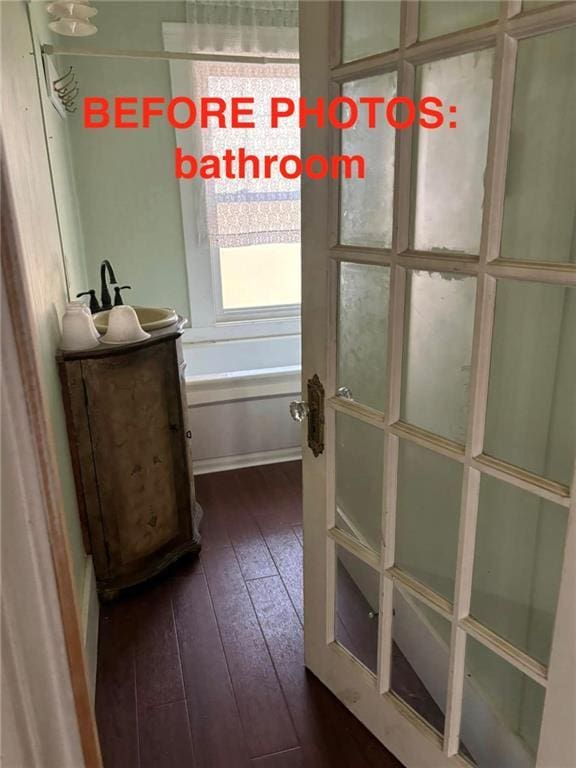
pixel 128 194
pixel 128 198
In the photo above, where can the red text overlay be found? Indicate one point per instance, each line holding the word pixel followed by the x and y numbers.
pixel 341 113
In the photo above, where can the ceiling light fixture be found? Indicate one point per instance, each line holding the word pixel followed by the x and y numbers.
pixel 73 18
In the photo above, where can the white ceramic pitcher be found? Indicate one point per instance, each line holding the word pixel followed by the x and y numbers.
pixel 78 329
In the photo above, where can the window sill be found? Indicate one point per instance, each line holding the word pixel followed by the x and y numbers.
pixel 246 329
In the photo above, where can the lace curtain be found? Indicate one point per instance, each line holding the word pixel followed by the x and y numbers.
pixel 246 211
pixel 245 16
pixel 250 211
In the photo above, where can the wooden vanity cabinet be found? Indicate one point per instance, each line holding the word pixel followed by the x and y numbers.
pixel 130 444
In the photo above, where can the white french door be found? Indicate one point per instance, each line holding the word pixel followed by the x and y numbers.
pixel 439 314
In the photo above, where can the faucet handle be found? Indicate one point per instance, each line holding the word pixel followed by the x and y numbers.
pixel 118 296
pixel 94 306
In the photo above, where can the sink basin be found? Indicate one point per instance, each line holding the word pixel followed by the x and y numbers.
pixel 150 318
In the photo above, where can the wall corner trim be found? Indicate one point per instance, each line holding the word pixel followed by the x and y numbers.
pixel 90 618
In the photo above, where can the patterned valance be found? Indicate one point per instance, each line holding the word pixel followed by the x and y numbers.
pixel 243 13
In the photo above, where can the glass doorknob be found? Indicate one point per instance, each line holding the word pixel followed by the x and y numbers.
pixel 345 392
pixel 299 409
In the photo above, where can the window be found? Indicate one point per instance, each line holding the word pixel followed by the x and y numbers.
pixel 253 223
pixel 242 235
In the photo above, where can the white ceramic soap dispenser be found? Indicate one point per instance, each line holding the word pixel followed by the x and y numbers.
pixel 78 329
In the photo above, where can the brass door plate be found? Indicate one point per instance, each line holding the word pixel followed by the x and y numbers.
pixel 316 415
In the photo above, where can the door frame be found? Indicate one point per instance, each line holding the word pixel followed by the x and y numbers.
pixel 369 696
pixel 47 690
pixel 46 589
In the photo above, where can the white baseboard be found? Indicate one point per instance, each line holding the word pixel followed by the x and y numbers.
pixel 89 616
pixel 223 463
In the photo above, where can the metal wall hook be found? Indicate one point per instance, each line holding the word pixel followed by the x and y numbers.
pixel 63 77
pixel 64 91
pixel 68 98
pixel 68 89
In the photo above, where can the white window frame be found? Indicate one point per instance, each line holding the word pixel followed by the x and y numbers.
pixel 210 321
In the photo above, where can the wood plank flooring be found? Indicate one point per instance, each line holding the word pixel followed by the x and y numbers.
pixel 204 668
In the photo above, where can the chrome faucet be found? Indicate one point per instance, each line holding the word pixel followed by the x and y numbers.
pixel 105 298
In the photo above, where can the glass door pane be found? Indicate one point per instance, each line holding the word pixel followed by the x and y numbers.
pixel 448 181
pixel 517 577
pixel 531 418
pixel 509 702
pixel 363 299
pixel 369 27
pixel 366 204
pixel 542 154
pixel 440 17
pixel 429 490
pixel 359 467
pixel 357 601
pixel 420 653
pixel 439 322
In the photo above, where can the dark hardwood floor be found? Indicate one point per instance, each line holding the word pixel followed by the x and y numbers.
pixel 204 668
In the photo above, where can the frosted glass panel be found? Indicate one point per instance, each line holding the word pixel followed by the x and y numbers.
pixel 450 162
pixel 496 689
pixel 359 476
pixel 429 489
pixel 366 204
pixel 531 418
pixel 368 27
pixel 517 566
pixel 437 351
pixel 357 600
pixel 417 632
pixel 363 333
pixel 539 218
pixel 439 17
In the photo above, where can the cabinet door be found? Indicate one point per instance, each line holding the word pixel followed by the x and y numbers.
pixel 137 431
